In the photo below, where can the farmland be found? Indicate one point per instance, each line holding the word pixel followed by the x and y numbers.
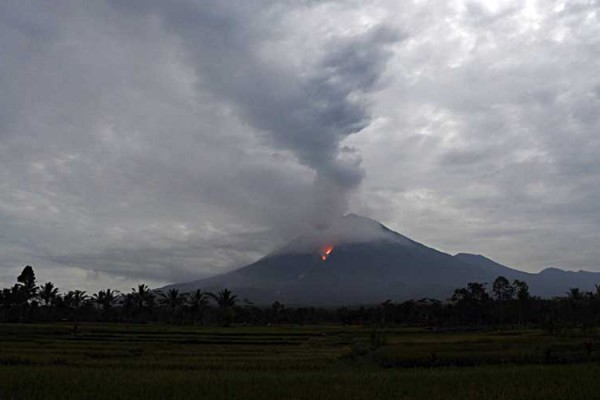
pixel 120 361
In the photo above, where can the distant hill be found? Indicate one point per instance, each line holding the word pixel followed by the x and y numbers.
pixel 369 263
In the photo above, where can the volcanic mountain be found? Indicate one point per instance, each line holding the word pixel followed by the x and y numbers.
pixel 356 260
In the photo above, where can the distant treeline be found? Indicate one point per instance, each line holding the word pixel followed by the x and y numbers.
pixel 504 303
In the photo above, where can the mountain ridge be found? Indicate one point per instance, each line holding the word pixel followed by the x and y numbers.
pixel 370 263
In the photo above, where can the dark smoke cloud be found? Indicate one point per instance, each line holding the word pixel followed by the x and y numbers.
pixel 307 113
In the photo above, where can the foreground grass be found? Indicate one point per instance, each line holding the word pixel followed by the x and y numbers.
pixel 170 362
pixel 523 382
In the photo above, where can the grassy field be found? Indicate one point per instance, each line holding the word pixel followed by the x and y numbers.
pixel 172 362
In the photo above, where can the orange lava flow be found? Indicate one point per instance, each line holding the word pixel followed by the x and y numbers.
pixel 326 252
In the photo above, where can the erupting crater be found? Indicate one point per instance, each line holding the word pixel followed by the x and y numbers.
pixel 325 252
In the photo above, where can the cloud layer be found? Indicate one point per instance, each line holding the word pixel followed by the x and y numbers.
pixel 155 143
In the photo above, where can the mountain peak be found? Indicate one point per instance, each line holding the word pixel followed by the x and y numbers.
pixel 553 270
pixel 349 229
pixel 356 217
pixel 356 260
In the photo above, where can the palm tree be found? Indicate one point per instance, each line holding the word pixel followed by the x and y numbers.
pixel 226 300
pixel 48 293
pixel 140 296
pixel 197 301
pixel 128 304
pixel 105 299
pixel 75 301
pixel 172 299
pixel 143 298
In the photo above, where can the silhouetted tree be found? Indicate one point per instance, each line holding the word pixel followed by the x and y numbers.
pixel 197 301
pixel 574 294
pixel 128 305
pixel 503 290
pixel 471 302
pixel 105 300
pixel 522 290
pixel 48 293
pixel 9 297
pixel 469 305
pixel 6 298
pixel 428 311
pixel 144 300
pixel 523 300
pixel 27 283
pixel 226 302
pixel 225 298
pixel 277 310
pixel 597 291
pixel 140 295
pixel 75 300
pixel 172 300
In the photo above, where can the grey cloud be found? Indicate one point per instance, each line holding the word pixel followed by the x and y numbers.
pixel 174 262
pixel 139 138
pixel 510 137
pixel 306 113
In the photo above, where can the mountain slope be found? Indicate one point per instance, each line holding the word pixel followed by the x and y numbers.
pixel 368 264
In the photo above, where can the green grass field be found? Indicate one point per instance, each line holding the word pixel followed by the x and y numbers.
pixel 170 362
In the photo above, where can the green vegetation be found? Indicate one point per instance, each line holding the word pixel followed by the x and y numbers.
pixel 151 345
pixel 508 304
pixel 121 361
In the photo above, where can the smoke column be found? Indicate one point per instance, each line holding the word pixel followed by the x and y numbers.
pixel 306 112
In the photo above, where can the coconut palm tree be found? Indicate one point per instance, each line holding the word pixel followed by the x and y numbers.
pixel 172 299
pixel 197 301
pixel 140 296
pixel 105 299
pixel 48 293
pixel 75 300
pixel 143 299
pixel 128 304
pixel 226 301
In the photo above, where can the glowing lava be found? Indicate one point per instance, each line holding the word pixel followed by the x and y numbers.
pixel 326 252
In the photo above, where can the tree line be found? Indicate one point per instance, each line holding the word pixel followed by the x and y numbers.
pixel 503 303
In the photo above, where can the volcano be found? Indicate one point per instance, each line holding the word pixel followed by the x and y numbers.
pixel 356 260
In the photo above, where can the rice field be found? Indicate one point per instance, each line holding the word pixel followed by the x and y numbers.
pixel 104 361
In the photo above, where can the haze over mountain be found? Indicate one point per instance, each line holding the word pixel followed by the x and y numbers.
pixel 356 260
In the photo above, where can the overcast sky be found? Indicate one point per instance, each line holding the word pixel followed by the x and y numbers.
pixel 157 142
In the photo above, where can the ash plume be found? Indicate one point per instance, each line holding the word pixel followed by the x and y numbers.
pixel 307 111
